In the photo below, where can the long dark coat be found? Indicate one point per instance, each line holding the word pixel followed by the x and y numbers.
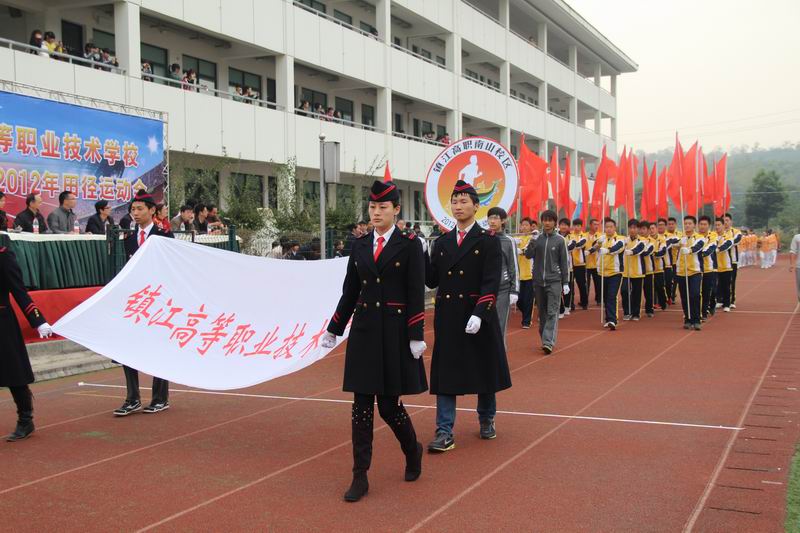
pixel 15 367
pixel 468 279
pixel 387 303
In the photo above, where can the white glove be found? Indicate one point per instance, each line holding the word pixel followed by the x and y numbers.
pixel 474 325
pixel 628 252
pixel 45 330
pixel 685 250
pixel 418 348
pixel 565 289
pixel 684 241
pixel 512 299
pixel 601 239
pixel 328 340
pixel 602 251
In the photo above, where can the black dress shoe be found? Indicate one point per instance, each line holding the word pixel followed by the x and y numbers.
pixel 358 488
pixel 22 431
pixel 414 464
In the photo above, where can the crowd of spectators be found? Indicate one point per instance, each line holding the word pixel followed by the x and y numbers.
pixel 47 45
pixel 328 115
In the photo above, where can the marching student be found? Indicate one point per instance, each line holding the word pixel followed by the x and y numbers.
pixel 566 299
pixel 551 277
pixel 724 266
pixel 469 356
pixel 690 273
pixel 592 276
pixel 525 302
pixel 633 274
pixel 649 268
pixel 142 211
pixel 709 256
pixel 673 235
pixel 666 261
pixel 610 264
pixel 578 237
pixel 508 294
pixel 736 236
pixel 384 293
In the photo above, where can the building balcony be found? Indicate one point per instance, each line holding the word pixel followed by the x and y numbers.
pixel 481 29
pixel 421 78
pixel 482 100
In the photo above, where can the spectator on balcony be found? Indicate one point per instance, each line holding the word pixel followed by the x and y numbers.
pixel 175 74
pixel 161 218
pixel 24 220
pixel 107 59
pixel 37 41
pixel 51 44
pixel 201 218
pixel 304 108
pixel 91 53
pixel 251 93
pixel 337 116
pixel 444 139
pixel 98 222
pixel 238 94
pixel 329 114
pixel 189 80
pixel 3 216
pixel 62 219
pixel 146 69
pixel 183 220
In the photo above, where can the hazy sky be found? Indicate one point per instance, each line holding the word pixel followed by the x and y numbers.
pixel 724 72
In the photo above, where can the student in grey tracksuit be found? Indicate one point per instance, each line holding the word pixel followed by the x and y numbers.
pixel 509 279
pixel 550 277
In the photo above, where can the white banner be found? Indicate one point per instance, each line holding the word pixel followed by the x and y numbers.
pixel 210 318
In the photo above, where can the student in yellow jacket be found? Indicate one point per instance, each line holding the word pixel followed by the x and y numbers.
pixel 609 248
pixel 708 285
pixel 660 265
pixel 525 302
pixel 649 268
pixel 579 256
pixel 673 236
pixel 725 253
pixel 633 275
pixel 689 270
pixel 592 276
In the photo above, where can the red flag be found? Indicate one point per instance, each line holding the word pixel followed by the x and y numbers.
pixel 602 176
pixel 709 184
pixel 691 179
pixel 723 201
pixel 566 200
pixel 644 206
pixel 554 177
pixel 675 175
pixel 652 195
pixel 532 171
pixel 662 207
pixel 630 187
pixel 584 194
pixel 387 176
pixel 620 192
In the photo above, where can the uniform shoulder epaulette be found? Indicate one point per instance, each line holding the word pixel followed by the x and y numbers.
pixel 411 235
pixel 488 232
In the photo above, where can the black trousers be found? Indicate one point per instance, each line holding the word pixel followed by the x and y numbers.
pixel 669 283
pixel 660 288
pixel 733 283
pixel 392 412
pixel 724 284
pixel 583 289
pixel 674 284
pixel 23 398
pixel 649 293
pixel 592 276
pixel 632 296
pixel 160 386
pixel 707 302
pixel 525 302
pixel 693 298
pixel 568 301
pixel 610 291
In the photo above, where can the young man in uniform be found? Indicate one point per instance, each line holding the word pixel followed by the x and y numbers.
pixel 508 294
pixel 673 235
pixel 724 266
pixel 610 264
pixel 578 237
pixel 690 273
pixel 384 293
pixel 709 262
pixel 592 276
pixel 15 367
pixel 649 268
pixel 468 355
pixel 633 275
pixel 659 266
pixel 669 267
pixel 143 208
pixel 736 236
pixel 567 299
pixel 525 303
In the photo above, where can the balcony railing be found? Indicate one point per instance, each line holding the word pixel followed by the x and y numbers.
pixel 418 139
pixel 524 101
pixel 58 56
pixel 526 39
pixel 482 12
pixel 562 117
pixel 479 82
pixel 419 56
pixel 335 120
pixel 557 60
pixel 202 89
pixel 334 20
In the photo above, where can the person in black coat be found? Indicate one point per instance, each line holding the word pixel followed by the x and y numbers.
pixel 98 222
pixel 15 367
pixel 469 356
pixel 143 209
pixel 384 293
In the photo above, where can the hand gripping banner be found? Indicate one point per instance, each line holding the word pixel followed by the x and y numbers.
pixel 209 318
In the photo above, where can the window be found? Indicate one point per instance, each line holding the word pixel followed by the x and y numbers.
pixel 248 186
pixel 272 92
pixel 398 123
pixel 514 93
pixel 272 192
pixel 344 17
pixel 206 71
pixel 103 39
pixel 440 131
pixel 157 57
pixel 472 74
pixel 314 98
pixel 440 60
pixel 415 48
pixel 72 37
pixel 427 127
pixel 365 203
pixel 369 28
pixel 310 194
pixel 416 127
pixel 313 4
pixel 200 186
pixel 243 80
pixel 345 107
pixel 367 115
pixel 514 150
pixel 424 53
pixel 345 196
pixel 398 42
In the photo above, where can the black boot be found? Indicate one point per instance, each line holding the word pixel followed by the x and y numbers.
pixel 362 451
pixel 24 400
pixel 403 429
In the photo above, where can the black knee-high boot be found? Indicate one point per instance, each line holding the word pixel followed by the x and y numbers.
pixel 23 397
pixel 362 423
pixel 400 423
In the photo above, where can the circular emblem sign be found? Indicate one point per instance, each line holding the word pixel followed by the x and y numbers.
pixel 483 163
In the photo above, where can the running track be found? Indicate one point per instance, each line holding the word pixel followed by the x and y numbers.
pixel 649 428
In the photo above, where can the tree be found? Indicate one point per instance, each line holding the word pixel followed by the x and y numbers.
pixel 765 199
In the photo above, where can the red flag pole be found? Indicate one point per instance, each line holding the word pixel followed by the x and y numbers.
pixel 602 263
pixel 685 262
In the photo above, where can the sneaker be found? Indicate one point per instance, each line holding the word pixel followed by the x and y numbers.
pixel 566 312
pixel 605 325
pixel 526 326
pixel 561 315
pixel 612 326
pixel 128 407
pixel 635 318
pixel 719 306
pixel 584 307
pixel 733 306
pixel 698 327
pixel 156 407
pixel 726 309
pixel 487 430
pixel 547 349
pixel 651 315
pixel 442 443
pixel 626 317
pixel 687 325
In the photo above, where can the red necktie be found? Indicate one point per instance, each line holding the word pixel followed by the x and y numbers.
pixel 379 249
pixel 461 235
pixel 142 236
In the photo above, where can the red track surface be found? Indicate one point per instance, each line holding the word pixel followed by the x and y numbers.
pixel 226 462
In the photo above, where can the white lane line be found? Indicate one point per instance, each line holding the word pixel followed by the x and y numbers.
pixel 515 413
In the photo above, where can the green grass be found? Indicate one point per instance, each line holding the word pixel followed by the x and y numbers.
pixel 792 524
